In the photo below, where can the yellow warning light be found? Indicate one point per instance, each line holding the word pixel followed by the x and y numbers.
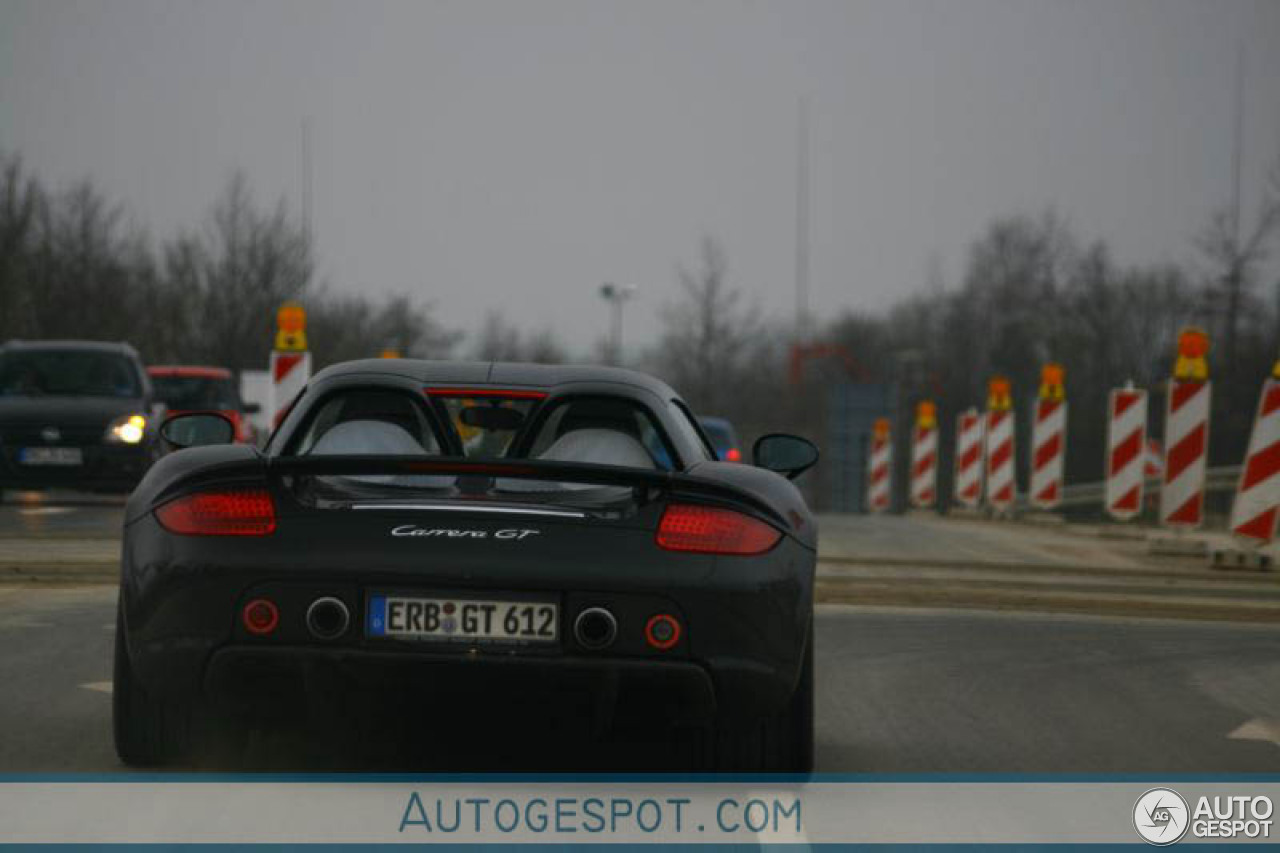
pixel 390 353
pixel 1193 351
pixel 1275 370
pixel 1052 382
pixel 926 414
pixel 291 327
pixel 999 394
pixel 880 429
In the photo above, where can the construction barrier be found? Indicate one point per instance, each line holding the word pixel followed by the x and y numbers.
pixel 880 467
pixel 1257 503
pixel 968 460
pixel 290 360
pixel 1049 439
pixel 1126 450
pixel 1186 434
pixel 924 457
pixel 1000 445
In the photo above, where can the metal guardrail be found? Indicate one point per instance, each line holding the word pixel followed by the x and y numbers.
pixel 1220 479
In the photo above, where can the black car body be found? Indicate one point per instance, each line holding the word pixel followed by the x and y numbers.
pixel 669 588
pixel 74 414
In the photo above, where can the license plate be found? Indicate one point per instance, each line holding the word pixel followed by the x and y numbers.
pixel 51 456
pixel 463 619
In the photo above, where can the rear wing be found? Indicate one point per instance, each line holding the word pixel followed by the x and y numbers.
pixel 182 472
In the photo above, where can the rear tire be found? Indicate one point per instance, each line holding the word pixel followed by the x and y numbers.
pixel 147 730
pixel 779 744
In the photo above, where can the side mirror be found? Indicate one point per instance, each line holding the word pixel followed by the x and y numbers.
pixel 250 408
pixel 789 455
pixel 197 429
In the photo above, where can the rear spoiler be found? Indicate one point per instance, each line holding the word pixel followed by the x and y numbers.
pixel 245 468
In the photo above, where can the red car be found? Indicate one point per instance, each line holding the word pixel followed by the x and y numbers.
pixel 203 389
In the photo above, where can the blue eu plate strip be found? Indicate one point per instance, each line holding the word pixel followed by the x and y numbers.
pixel 378 615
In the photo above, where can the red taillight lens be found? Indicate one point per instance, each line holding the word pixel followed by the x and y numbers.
pixel 247 512
pixel 709 530
pixel 260 616
pixel 733 454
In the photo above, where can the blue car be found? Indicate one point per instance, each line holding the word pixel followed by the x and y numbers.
pixel 723 438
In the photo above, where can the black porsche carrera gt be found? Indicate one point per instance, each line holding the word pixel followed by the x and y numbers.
pixel 512 536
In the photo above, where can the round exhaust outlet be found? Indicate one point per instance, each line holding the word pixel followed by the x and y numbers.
pixel 595 628
pixel 328 618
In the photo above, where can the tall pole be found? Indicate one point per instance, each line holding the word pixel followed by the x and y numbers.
pixel 617 331
pixel 306 179
pixel 1237 147
pixel 616 296
pixel 802 221
pixel 1234 272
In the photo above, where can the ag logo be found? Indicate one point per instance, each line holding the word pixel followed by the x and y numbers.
pixel 1161 816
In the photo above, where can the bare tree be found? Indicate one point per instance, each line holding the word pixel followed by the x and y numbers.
pixel 708 334
pixel 21 198
pixel 500 340
pixel 248 263
pixel 1236 261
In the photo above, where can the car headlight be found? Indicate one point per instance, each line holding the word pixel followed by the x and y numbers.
pixel 126 429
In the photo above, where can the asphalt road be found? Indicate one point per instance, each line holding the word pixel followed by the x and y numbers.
pixel 62 515
pixel 898 691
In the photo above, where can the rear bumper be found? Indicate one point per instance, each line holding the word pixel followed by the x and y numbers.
pixel 746 621
pixel 626 691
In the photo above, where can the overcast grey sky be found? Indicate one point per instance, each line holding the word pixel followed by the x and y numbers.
pixel 515 155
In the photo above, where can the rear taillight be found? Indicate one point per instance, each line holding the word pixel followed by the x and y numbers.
pixel 733 454
pixel 244 512
pixel 710 530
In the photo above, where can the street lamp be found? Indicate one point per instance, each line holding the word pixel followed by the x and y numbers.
pixel 616 296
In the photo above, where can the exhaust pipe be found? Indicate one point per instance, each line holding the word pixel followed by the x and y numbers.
pixel 595 628
pixel 328 618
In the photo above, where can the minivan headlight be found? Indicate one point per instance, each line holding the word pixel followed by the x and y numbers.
pixel 126 429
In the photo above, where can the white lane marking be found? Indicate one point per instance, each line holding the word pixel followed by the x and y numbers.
pixel 110 626
pixel 1259 728
pixel 100 686
pixel 44 510
pixel 942 610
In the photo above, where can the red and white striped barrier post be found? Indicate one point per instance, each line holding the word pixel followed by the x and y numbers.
pixel 999 444
pixel 1126 452
pixel 924 456
pixel 290 361
pixel 1049 439
pixel 880 467
pixel 968 460
pixel 1186 434
pixel 1257 504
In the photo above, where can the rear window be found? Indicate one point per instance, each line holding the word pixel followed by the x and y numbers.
pixel 494 439
pixel 184 393
pixel 604 431
pixel 376 422
pixel 372 422
pixel 69 373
